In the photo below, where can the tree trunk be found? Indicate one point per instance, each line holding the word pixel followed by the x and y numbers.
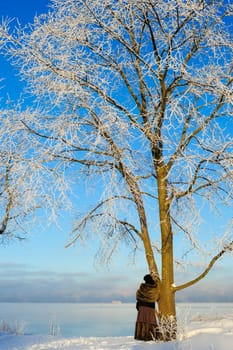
pixel 150 255
pixel 167 307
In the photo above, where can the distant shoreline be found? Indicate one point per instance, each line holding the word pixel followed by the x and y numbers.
pixel 114 302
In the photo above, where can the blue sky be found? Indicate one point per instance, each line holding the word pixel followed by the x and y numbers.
pixel 41 269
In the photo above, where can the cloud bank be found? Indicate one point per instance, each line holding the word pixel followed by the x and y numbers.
pixel 22 283
pixel 25 284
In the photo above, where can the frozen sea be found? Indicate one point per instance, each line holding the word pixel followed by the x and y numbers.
pixel 96 320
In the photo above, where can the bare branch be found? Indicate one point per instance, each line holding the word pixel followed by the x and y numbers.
pixel 227 248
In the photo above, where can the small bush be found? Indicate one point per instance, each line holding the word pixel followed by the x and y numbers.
pixel 18 329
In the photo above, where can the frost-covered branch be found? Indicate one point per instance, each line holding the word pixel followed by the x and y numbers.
pixel 227 248
pixel 94 213
pixel 9 204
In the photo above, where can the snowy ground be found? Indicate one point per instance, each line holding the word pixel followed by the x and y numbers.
pixel 198 335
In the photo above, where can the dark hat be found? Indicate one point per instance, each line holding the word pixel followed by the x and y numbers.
pixel 148 279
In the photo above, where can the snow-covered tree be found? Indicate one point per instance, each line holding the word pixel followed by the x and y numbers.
pixel 136 95
pixel 25 177
pixel 15 186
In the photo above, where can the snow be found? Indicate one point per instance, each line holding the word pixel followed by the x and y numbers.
pixel 197 335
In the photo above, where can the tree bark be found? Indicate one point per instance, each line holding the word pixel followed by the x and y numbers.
pixel 150 255
pixel 167 296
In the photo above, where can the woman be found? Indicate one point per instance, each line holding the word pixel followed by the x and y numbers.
pixel 146 327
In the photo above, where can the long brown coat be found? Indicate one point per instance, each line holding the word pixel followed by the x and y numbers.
pixel 146 327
